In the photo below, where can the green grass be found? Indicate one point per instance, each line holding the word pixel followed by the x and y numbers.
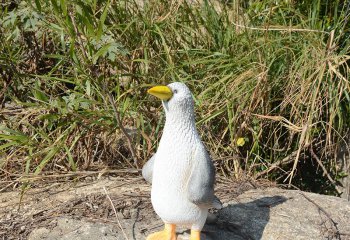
pixel 272 72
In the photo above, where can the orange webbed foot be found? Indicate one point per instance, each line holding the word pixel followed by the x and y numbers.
pixel 167 234
pixel 195 235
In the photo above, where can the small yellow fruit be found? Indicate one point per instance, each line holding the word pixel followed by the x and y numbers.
pixel 240 142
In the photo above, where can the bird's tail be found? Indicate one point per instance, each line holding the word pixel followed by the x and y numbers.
pixel 217 203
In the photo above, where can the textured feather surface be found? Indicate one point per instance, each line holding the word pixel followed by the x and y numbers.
pixel 183 173
pixel 147 170
pixel 200 187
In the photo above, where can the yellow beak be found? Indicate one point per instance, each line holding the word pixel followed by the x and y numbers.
pixel 162 92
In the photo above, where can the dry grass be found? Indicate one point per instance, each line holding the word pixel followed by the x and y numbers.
pixel 275 74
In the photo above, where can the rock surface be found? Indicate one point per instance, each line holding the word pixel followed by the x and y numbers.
pixel 84 212
pixel 67 228
pixel 283 214
pixel 257 214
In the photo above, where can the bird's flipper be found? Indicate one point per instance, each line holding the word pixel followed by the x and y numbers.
pixel 147 170
pixel 200 186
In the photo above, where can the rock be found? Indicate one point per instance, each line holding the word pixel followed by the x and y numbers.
pixel 67 228
pixel 256 214
pixel 282 214
pixel 39 233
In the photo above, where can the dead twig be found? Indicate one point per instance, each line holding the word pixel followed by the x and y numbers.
pixel 79 36
pixel 7 186
pixel 287 160
pixel 296 160
pixel 79 174
pixel 321 209
pixel 116 215
pixel 128 138
pixel 313 154
pixel 287 29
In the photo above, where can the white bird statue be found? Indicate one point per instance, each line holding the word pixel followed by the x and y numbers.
pixel 181 172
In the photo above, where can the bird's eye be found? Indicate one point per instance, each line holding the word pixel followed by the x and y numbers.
pixel 175 91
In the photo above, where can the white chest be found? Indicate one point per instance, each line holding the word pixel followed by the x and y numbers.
pixel 172 169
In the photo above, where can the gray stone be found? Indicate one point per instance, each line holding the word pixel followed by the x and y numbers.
pixel 268 214
pixel 283 214
pixel 67 228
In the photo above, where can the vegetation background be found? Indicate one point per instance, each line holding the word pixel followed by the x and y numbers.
pixel 270 80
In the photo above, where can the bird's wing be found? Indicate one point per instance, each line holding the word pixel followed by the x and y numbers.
pixel 147 170
pixel 200 186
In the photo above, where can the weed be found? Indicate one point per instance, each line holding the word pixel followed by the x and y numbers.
pixel 269 78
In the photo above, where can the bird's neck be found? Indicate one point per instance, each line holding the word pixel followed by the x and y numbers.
pixel 179 119
pixel 179 122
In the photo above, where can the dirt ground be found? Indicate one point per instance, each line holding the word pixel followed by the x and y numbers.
pixel 119 202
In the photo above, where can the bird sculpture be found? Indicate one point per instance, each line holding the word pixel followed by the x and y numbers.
pixel 181 172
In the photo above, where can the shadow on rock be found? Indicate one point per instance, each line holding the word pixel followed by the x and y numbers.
pixel 242 220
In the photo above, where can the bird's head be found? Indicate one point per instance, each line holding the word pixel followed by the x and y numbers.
pixel 176 98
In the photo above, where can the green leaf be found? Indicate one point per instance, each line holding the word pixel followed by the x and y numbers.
pixel 70 159
pixel 101 52
pixel 55 6
pixel 8 130
pixel 64 7
pixel 38 5
pixel 9 144
pixel 40 95
pixel 46 159
pixel 102 21
pixel 19 138
pixel 79 9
